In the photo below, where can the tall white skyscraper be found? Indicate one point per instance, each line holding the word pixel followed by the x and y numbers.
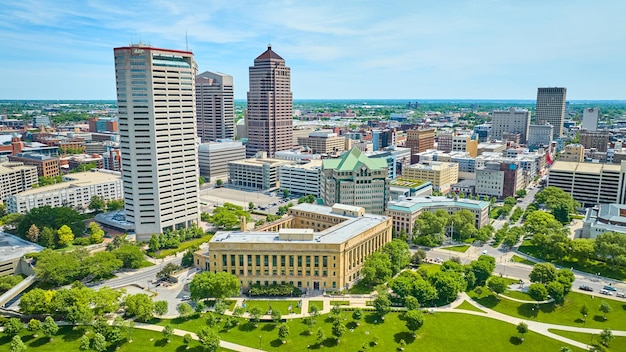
pixel 551 108
pixel 157 124
pixel 215 106
pixel 590 119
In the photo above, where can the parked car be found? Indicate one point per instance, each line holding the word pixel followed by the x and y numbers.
pixel 610 288
pixel 586 288
pixel 605 292
pixel 620 295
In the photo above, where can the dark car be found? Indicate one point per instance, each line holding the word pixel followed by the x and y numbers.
pixel 586 288
pixel 610 288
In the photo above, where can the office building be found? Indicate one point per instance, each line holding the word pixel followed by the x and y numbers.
pixel 15 177
pixel 41 121
pixel 551 109
pixel 539 136
pixel 465 143
pixel 590 183
pixel 573 153
pixel 404 212
pixel 499 179
pixel 604 218
pixel 511 120
pixel 441 174
pixel 313 248
pixel 323 142
pixel 157 119
pixel 113 160
pixel 302 178
pixel 75 191
pixel 46 165
pixel 590 119
pixel 213 158
pixel 215 106
pixel 420 140
pixel 269 118
pixel 355 179
pixel 260 173
pixel 598 140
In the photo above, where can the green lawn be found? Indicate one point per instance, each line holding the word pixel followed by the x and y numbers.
pixel 518 295
pixel 567 314
pixel 518 259
pixel 431 268
pixel 361 288
pixel 67 339
pixel 441 332
pixel 591 266
pixel 230 303
pixel 281 305
pixel 618 343
pixel 468 306
pixel 318 304
pixel 460 249
pixel 339 303
pixel 183 247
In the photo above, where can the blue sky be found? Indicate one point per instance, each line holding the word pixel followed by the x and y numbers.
pixel 412 49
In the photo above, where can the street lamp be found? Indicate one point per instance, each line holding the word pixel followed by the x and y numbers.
pixel 260 337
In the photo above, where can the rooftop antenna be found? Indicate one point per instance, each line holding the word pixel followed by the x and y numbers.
pixel 186 42
pixel 269 40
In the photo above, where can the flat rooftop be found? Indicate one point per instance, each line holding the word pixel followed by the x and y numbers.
pixel 260 162
pixel 12 247
pixel 592 168
pixel 79 179
pixel 350 227
pixel 415 203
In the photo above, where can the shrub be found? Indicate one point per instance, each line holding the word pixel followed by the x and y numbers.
pixel 274 290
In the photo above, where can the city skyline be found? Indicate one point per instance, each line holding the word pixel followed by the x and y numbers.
pixel 351 50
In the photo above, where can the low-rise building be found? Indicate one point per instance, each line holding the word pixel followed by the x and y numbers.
pixel 323 142
pixel 604 218
pixel 404 212
pixel 259 173
pixel 76 191
pixel 46 165
pixel 441 174
pixel 573 153
pixel 302 178
pixel 402 187
pixel 15 177
pixel 213 158
pixel 314 248
pixel 499 179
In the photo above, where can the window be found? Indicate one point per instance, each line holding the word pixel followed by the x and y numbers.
pixel 325 261
pixel 316 261
pixel 299 260
pixel 258 260
pixel 291 260
pixel 282 260
pixel 249 260
pixel 224 260
pixel 308 260
pixel 266 260
pixel 274 261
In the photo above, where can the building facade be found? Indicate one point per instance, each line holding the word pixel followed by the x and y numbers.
pixel 598 140
pixel 47 166
pixel 355 179
pixel 75 191
pixel 15 177
pixel 511 120
pixel 551 109
pixel 314 248
pixel 256 173
pixel 323 142
pixel 604 218
pixel 213 158
pixel 590 119
pixel 270 105
pixel 302 178
pixel 540 135
pixel 420 140
pixel 573 152
pixel 442 175
pixel 215 106
pixel 157 119
pixel 499 179
pixel 404 212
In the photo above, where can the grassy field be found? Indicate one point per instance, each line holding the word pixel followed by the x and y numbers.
pixel 518 259
pixel 361 288
pixel 591 266
pixel 618 343
pixel 431 268
pixel 183 247
pixel 441 332
pixel 460 249
pixel 567 314
pixel 339 303
pixel 467 306
pixel 518 295
pixel 318 304
pixel 68 339
pixel 281 305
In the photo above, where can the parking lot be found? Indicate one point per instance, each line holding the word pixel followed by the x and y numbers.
pixel 212 197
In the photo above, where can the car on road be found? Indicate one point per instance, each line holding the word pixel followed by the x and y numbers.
pixel 610 288
pixel 485 251
pixel 605 292
pixel 620 295
pixel 586 288
pixel 186 298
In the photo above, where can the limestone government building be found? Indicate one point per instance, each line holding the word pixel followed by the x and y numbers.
pixel 314 247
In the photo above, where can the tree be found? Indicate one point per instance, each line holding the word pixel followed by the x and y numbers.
pixel 200 307
pixel 115 204
pixel 606 336
pixel 218 285
pixel 201 181
pixel 520 193
pixel 219 182
pixel 33 233
pixel 357 314
pixel 414 320
pixel 611 247
pixel 66 236
pixel 399 254
pixel 36 301
pixel 582 249
pixel 17 345
pixel 12 327
pixel 49 327
pixel 187 339
pixel 54 218
pixel 482 268
pixel 338 329
pixel 95 232
pixel 184 309
pixel 277 316
pixel 556 291
pixel 283 331
pixel 497 284
pixel 130 255
pixel 430 227
pixel 522 328
pixel 320 336
pixel 187 260
pixel 377 268
pixel 97 203
pixel 140 306
pixel 418 257
pixel 584 310
pixel 255 315
pixel 220 307
pixel 382 304
pixel 286 193
pixel 538 292
pixel 558 201
pixel 250 206
pixel 566 278
pixel 161 308
pixel 167 270
pixel 98 343
pixel 102 264
pixel 167 332
pixel 84 343
pixel 541 222
pixel 462 223
pixel 605 308
pixel 34 325
pixel 543 273
pixel 209 339
pixel 448 285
